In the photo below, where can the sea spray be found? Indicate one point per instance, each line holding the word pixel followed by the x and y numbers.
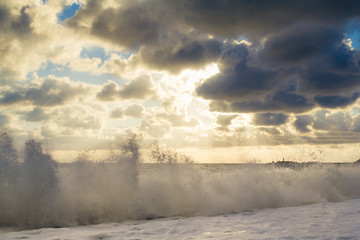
pixel 28 189
pixel 9 173
pixel 168 190
pixel 102 191
pixel 37 192
pixel 39 186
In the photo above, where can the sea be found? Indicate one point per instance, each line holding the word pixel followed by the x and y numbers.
pixel 184 201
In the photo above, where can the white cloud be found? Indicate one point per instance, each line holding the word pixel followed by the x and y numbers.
pixel 140 88
pixel 50 91
pixel 36 115
pixel 4 120
pixel 117 113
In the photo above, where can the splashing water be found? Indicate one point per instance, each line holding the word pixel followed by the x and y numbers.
pixel 38 192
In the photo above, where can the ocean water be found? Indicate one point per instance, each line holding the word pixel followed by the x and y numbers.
pixel 123 198
pixel 131 200
pixel 338 220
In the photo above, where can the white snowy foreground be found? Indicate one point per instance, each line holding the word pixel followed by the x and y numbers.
pixel 339 220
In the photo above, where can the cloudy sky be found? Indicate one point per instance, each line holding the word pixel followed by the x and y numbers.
pixel 222 80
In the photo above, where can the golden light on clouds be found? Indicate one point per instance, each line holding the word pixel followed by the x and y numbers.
pixel 179 74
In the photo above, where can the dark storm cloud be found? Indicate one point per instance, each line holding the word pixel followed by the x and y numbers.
pixel 151 28
pixel 18 24
pixel 300 43
pixel 87 12
pixel 270 119
pixel 295 58
pixel 258 18
pixel 316 79
pixel 233 54
pixel 130 27
pixel 187 53
pixel 249 87
pixel 151 19
pixel 289 99
pixel 242 82
pixel 268 104
pixel 295 71
pixel 50 92
pixel 173 35
pixel 237 79
pixel 303 122
pixel 280 101
pixel 334 70
pixel 4 14
pixel 336 101
pixel 22 24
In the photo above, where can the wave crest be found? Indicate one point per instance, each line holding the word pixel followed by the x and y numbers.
pixel 38 192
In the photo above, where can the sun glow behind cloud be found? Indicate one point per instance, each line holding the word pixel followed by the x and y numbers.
pixel 188 75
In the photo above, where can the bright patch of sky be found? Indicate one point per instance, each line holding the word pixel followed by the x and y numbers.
pixel 125 122
pixel 353 32
pixel 355 111
pixel 99 52
pixel 152 103
pixel 94 52
pixel 241 38
pixel 32 125
pixel 355 38
pixel 68 11
pixel 127 54
pixel 63 71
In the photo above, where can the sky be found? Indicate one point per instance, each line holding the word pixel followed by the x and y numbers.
pixel 221 80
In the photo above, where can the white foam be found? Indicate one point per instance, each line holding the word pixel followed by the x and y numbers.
pixel 317 221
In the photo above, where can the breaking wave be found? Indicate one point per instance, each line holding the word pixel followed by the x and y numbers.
pixel 38 192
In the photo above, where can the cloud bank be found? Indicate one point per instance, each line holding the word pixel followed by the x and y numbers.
pixel 216 73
